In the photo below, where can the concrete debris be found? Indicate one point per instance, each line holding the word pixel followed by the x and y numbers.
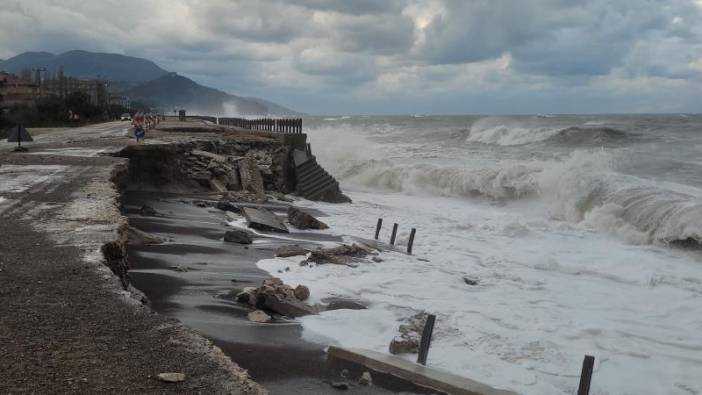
pixel 341 255
pixel 263 219
pixel 250 176
pixel 291 250
pixel 171 377
pixel 259 316
pixel 410 335
pixel 238 236
pixel 275 296
pixel 303 220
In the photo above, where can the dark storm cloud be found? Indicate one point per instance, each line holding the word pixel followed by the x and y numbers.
pixel 394 51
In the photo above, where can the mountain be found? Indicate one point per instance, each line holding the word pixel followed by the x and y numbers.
pixel 87 65
pixel 142 80
pixel 174 91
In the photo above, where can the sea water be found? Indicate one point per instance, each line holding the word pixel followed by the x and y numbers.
pixel 582 232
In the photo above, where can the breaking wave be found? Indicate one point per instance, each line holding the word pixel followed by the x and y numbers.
pixel 582 187
pixel 506 132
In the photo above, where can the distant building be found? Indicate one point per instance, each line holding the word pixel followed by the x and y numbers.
pixel 16 91
pixel 62 86
pixel 117 100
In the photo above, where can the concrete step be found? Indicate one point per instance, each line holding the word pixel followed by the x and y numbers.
pixel 321 189
pixel 313 183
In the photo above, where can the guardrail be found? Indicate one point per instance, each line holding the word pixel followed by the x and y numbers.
pixel 278 125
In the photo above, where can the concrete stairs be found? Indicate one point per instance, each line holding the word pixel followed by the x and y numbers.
pixel 313 182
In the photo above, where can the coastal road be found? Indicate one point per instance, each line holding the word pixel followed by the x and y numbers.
pixel 67 325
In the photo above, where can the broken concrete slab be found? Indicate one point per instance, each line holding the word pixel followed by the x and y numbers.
pixel 417 374
pixel 263 219
pixel 250 176
pixel 209 155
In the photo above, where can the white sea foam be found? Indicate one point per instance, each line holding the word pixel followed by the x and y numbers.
pixel 534 224
pixel 547 295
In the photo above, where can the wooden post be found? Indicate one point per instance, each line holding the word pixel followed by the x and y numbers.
pixel 586 375
pixel 377 228
pixel 394 233
pixel 411 241
pixel 426 339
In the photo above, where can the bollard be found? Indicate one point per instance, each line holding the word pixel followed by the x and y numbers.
pixel 394 233
pixel 411 241
pixel 377 227
pixel 586 375
pixel 426 339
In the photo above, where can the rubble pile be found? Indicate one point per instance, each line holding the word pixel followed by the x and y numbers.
pixel 342 255
pixel 279 298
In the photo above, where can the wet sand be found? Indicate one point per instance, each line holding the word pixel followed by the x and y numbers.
pixel 189 276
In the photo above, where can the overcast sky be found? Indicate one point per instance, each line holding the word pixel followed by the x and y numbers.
pixel 396 56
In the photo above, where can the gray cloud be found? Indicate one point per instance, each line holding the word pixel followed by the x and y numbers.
pixel 395 53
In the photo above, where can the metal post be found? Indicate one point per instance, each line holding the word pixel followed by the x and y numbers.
pixel 426 339
pixel 19 135
pixel 394 233
pixel 377 227
pixel 586 375
pixel 411 241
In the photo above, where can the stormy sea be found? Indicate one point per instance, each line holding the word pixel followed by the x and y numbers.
pixel 580 235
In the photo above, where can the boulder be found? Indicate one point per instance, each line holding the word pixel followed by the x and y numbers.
pixel 286 305
pixel 259 316
pixel 301 292
pixel 340 385
pixel 291 250
pixel 302 220
pixel 238 236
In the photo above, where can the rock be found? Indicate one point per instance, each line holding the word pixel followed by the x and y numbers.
pixel 147 211
pixel 401 345
pixel 376 259
pixel 225 205
pixel 366 379
pixel 341 255
pixel 291 250
pixel 247 295
pixel 470 280
pixel 340 385
pixel 237 236
pixel 302 293
pixel 302 220
pixel 410 335
pixel 283 305
pixel 259 316
pixel 171 377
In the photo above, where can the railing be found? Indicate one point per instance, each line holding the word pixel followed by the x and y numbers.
pixel 289 126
